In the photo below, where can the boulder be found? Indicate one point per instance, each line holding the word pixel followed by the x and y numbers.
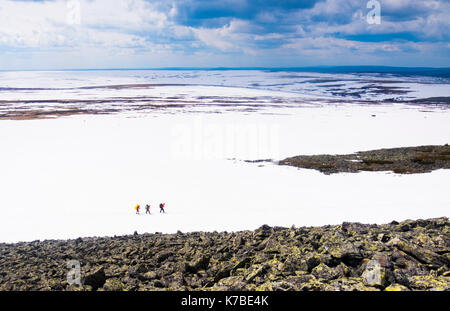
pixel 377 272
pixel 346 252
pixel 95 279
pixel 322 271
pixel 137 270
pixel 223 273
pixel 429 282
pixel 163 256
pixel 312 261
pixel 264 232
pixel 423 254
pixel 257 271
pixel 232 283
pixel 174 281
pixel 151 275
pixel 349 284
pixel 200 262
pixel 114 284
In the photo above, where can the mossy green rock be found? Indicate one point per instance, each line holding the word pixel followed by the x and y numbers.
pixel 404 160
pixel 408 255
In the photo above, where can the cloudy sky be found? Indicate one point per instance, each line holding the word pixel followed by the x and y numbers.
pixel 64 34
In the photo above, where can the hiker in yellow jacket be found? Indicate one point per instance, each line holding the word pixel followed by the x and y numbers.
pixel 137 208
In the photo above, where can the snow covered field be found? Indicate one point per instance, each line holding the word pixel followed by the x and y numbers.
pixel 82 175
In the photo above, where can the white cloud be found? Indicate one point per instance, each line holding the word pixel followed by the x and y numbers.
pixel 102 23
pixel 269 36
pixel 214 37
pixel 136 15
pixel 428 19
pixel 227 38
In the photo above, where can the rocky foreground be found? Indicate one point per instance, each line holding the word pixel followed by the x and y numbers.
pixel 411 255
pixel 405 160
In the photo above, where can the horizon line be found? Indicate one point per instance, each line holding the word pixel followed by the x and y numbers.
pixel 175 68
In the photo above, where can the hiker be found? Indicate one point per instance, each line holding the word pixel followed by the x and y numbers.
pixel 147 209
pixel 161 208
pixel 137 207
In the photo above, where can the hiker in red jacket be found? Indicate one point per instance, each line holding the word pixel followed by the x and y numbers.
pixel 147 209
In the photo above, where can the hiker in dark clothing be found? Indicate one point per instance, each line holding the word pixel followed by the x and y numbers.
pixel 161 208
pixel 147 209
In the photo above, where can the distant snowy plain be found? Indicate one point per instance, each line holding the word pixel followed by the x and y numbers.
pixel 82 175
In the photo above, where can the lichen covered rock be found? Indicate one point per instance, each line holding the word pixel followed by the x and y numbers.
pixel 408 255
